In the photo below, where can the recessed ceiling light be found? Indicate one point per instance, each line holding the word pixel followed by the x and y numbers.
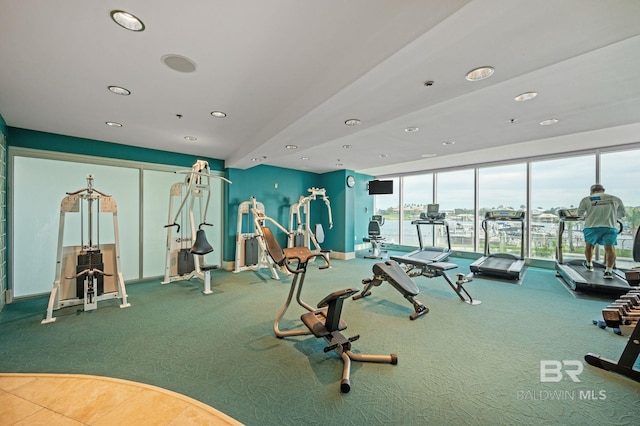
pixel 127 20
pixel 339 164
pixel 191 138
pixel 113 124
pixel 411 129
pixel 549 122
pixel 383 155
pixel 179 63
pixel 119 90
pixel 218 114
pixel 352 122
pixel 304 158
pixel 347 146
pixel 256 159
pixel 480 73
pixel 428 155
pixel 448 142
pixel 291 146
pixel 526 96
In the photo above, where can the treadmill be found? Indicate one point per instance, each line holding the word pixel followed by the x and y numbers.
pixel 433 217
pixel 501 265
pixel 573 271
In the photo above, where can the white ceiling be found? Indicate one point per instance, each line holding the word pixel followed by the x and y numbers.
pixel 290 72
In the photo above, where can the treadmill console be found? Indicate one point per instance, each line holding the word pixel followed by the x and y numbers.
pixel 433 213
pixel 569 214
pixel 504 215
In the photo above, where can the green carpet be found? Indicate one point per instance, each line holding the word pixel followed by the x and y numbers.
pixel 458 364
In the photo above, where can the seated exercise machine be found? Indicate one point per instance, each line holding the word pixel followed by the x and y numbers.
pixel 374 237
pixel 391 272
pixel 625 364
pixel 325 320
pixel 501 265
pixel 251 251
pixel 185 252
pixel 88 273
pixel 302 235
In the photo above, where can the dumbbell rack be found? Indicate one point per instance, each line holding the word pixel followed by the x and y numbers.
pixel 624 313
pixel 627 360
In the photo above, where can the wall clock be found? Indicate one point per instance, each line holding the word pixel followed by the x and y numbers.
pixel 351 181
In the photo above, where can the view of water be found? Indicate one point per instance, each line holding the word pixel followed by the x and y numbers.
pixel 503 236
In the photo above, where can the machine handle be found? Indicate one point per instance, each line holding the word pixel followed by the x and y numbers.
pixel 173 224
pixel 90 272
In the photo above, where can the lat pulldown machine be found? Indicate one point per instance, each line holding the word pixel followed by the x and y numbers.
pixel 302 236
pixel 80 277
pixel 185 254
pixel 251 251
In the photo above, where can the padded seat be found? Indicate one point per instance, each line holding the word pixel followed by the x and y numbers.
pixel 442 266
pixel 316 320
pixel 396 276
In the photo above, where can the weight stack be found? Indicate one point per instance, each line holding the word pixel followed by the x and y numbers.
pixel 89 260
pixel 251 251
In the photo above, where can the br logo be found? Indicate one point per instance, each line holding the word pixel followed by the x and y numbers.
pixel 553 371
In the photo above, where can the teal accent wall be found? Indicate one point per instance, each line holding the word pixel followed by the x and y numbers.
pixel 260 182
pixel 351 208
pixel 3 126
pixel 59 143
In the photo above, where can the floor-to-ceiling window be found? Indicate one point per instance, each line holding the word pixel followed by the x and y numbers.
pixel 455 194
pixel 417 192
pixel 502 188
pixel 389 207
pixel 557 184
pixel 620 175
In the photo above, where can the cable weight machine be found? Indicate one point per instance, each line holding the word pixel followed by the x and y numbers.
pixel 302 235
pixel 185 252
pixel 81 277
pixel 251 250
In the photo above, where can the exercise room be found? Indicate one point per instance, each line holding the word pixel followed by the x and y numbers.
pixel 286 213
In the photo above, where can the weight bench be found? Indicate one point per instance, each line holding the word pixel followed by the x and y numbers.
pixel 437 269
pixel 324 321
pixel 391 272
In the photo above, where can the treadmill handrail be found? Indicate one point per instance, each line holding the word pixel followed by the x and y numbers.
pixel 496 219
pixel 561 227
pixel 433 222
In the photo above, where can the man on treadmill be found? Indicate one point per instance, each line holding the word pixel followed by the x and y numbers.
pixel 601 212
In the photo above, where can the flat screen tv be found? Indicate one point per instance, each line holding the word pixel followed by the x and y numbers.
pixel 380 187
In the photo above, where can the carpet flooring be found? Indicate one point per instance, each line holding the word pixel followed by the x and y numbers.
pixel 458 364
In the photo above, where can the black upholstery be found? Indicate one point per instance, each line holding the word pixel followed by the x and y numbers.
pixel 201 246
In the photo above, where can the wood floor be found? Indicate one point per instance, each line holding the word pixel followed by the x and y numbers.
pixel 59 399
